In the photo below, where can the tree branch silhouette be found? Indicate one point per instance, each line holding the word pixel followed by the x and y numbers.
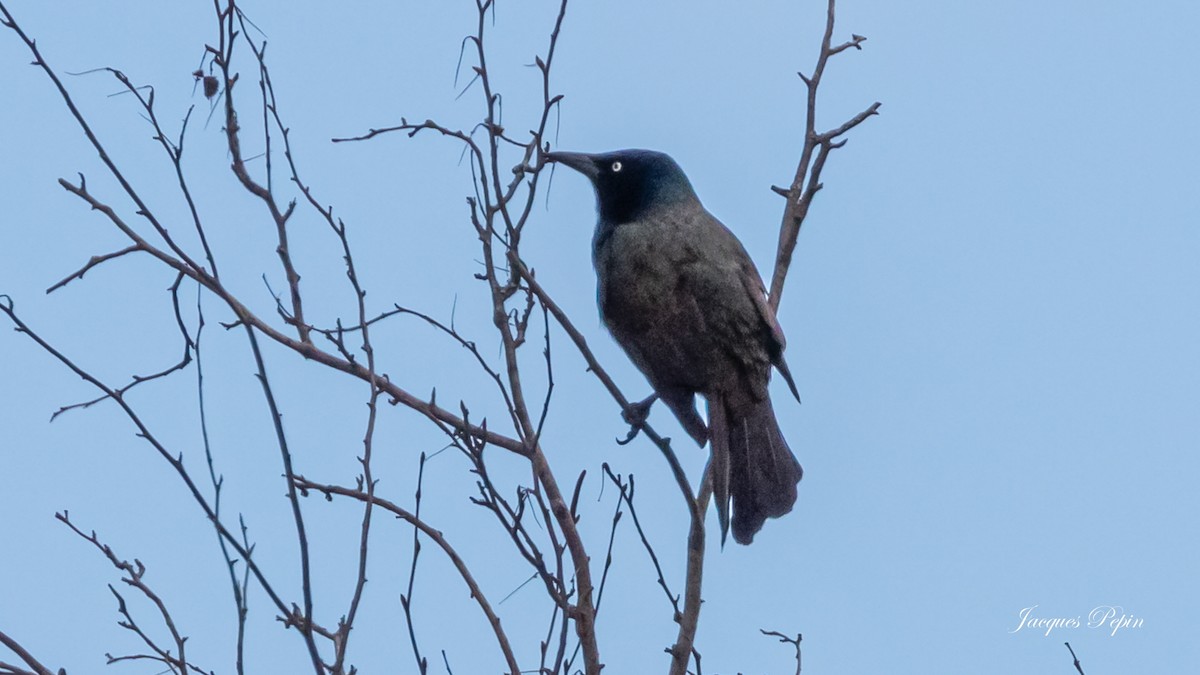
pixel 536 514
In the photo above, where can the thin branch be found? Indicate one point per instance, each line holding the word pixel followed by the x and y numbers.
pixel 786 639
pixel 396 394
pixel 16 648
pixel 855 41
pixel 627 490
pixel 280 216
pixel 335 336
pixel 436 536
pixel 271 114
pixel 134 574
pixel 689 620
pixel 239 594
pixel 188 346
pixel 406 598
pixel 549 378
pixel 175 154
pixel 664 444
pixel 144 432
pixel 306 629
pixel 183 264
pixel 828 136
pixel 492 204
pixel 511 519
pixel 92 262
pixel 608 554
pixel 142 208
pixel 817 146
pixel 1076 658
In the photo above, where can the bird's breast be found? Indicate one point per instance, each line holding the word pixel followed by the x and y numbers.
pixel 637 271
pixel 655 291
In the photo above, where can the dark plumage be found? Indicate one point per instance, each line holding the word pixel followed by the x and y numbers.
pixel 682 297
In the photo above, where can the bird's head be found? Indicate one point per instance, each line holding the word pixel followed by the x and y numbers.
pixel 630 183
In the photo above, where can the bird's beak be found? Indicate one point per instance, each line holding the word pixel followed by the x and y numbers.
pixel 581 162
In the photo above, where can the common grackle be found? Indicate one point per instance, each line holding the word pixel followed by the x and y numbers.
pixel 683 298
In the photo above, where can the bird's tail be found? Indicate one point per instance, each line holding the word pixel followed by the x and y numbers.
pixel 751 465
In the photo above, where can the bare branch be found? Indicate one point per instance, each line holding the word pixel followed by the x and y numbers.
pixel 664 444
pixel 512 521
pixel 855 41
pixel 689 620
pixel 306 629
pixel 1076 658
pixel 476 592
pixel 396 394
pixel 406 598
pixel 506 167
pixel 134 574
pixel 144 432
pixel 858 119
pixel 795 642
pixel 807 180
pixel 188 346
pixel 239 590
pixel 142 208
pixel 280 216
pixel 13 645
pixel 627 490
pixel 92 262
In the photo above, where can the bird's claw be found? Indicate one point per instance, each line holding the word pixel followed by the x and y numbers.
pixel 635 415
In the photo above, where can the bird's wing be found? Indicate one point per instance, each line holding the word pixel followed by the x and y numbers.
pixel 758 293
pixel 730 253
pixel 718 248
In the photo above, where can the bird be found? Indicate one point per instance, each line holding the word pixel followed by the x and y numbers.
pixel 681 296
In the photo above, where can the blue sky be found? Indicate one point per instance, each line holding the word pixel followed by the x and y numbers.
pixel 991 317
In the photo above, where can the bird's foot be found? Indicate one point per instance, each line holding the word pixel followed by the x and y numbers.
pixel 635 416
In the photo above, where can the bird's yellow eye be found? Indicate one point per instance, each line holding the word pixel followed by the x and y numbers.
pixel 616 167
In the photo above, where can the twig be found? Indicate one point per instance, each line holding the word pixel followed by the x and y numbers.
pixel 92 262
pixel 396 394
pixel 549 376
pixel 223 56
pixel 142 208
pixel 1076 658
pixel 134 574
pixel 175 154
pixel 786 639
pixel 188 347
pixel 608 555
pixel 334 335
pixel 627 491
pixel 406 598
pixel 271 113
pixel 306 629
pixel 16 648
pixel 817 147
pixel 512 521
pixel 239 590
pixel 494 223
pixel 477 593
pixel 144 432
pixel 663 444
pixel 561 652
pixel 689 619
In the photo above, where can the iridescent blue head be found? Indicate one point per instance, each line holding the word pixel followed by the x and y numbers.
pixel 630 183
